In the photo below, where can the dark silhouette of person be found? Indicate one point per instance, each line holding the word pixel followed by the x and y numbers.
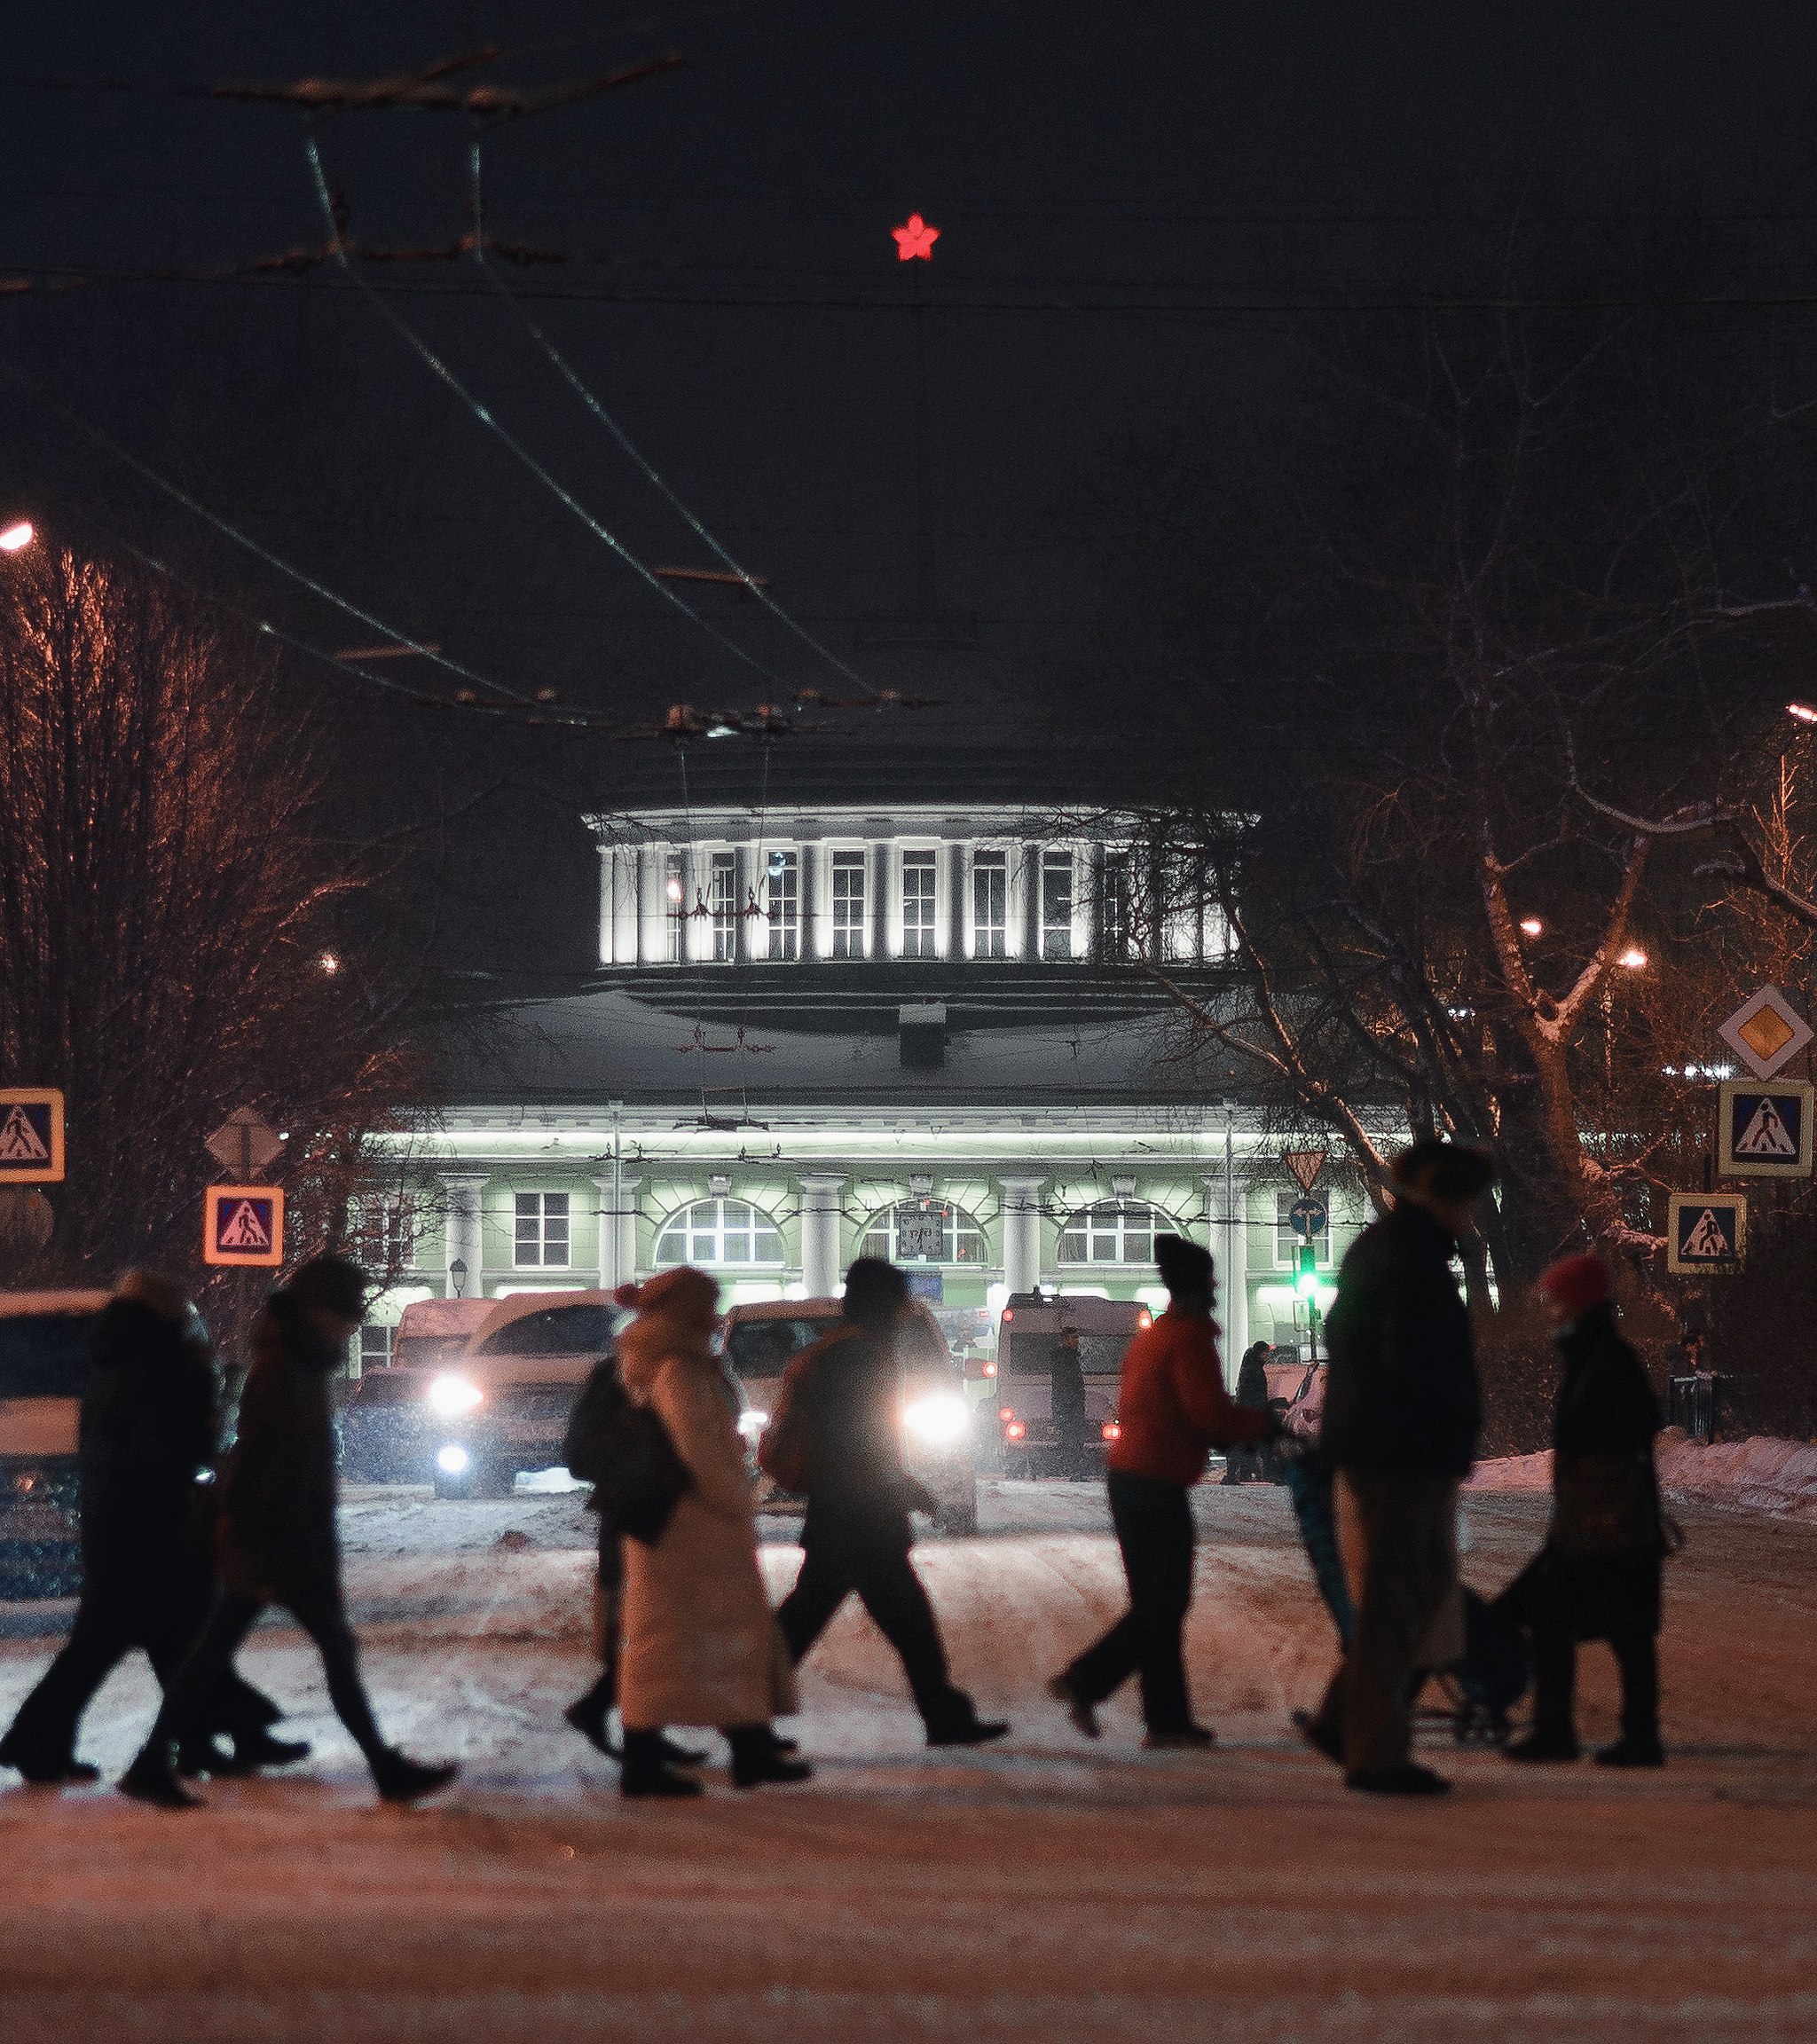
pixel 856 1535
pixel 1067 1378
pixel 150 1433
pixel 1244 1460
pixel 1171 1411
pixel 278 1541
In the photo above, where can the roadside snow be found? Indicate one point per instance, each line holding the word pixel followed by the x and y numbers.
pixel 1758 1474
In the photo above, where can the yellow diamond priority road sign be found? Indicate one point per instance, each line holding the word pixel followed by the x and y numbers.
pixel 31 1135
pixel 1765 1033
pixel 244 1224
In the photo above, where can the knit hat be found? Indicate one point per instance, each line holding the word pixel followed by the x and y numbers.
pixel 1577 1283
pixel 332 1284
pixel 1184 1266
pixel 684 1285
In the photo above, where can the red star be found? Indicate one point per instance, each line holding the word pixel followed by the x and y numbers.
pixel 916 238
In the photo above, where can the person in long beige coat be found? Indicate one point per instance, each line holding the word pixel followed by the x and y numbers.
pixel 700 1639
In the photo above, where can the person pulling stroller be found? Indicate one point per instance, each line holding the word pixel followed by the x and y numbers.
pixel 1597 1576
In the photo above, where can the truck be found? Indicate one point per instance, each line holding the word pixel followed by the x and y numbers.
pixel 937 1430
pixel 44 1371
pixel 1031 1324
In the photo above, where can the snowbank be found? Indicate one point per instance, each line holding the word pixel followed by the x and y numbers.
pixel 1758 1474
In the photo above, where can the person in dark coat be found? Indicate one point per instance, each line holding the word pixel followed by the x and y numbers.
pixel 150 1421
pixel 276 1536
pixel 1066 1402
pixel 1401 1411
pixel 1244 1459
pixel 856 1535
pixel 1172 1410
pixel 1597 1577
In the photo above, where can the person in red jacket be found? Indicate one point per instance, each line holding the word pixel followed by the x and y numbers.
pixel 1171 1410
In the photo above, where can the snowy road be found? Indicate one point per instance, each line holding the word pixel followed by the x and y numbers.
pixel 1047 1889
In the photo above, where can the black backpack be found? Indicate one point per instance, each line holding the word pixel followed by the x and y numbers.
pixel 624 1450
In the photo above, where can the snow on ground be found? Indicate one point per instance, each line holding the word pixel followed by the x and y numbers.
pixel 1758 1474
pixel 1046 1888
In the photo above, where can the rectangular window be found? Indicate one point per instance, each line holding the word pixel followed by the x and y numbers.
pixel 1286 1242
pixel 674 908
pixel 723 900
pixel 848 904
pixel 918 887
pixel 1056 904
pixel 542 1232
pixel 1113 907
pixel 375 1348
pixel 782 903
pixel 990 905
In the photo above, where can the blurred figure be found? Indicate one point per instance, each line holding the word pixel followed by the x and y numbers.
pixel 701 1644
pixel 277 1537
pixel 1172 1410
pixel 150 1421
pixel 1401 1414
pixel 856 1535
pixel 1244 1460
pixel 1066 1406
pixel 1597 1577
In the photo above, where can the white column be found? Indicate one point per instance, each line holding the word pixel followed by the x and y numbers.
pixel 624 863
pixel 1021 1211
pixel 1230 1245
pixel 608 864
pixel 462 1241
pixel 617 1238
pixel 820 1232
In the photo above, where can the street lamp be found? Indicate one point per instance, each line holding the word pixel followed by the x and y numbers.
pixel 1634 958
pixel 17 536
pixel 457 1276
pixel 1803 712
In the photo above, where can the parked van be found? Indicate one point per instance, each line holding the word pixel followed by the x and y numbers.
pixel 1027 1334
pixel 44 1370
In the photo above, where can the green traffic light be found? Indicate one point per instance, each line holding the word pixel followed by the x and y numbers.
pixel 1306 1277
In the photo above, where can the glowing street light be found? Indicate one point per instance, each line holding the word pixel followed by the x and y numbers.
pixel 17 536
pixel 1634 958
pixel 329 963
pixel 1532 926
pixel 1803 712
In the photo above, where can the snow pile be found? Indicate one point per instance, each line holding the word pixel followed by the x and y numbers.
pixel 1758 1474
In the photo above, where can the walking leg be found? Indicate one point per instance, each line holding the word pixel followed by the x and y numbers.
pixel 1554 1733
pixel 41 1741
pixel 1160 1596
pixel 1637 1657
pixel 893 1594
pixel 1406 1578
pixel 820 1590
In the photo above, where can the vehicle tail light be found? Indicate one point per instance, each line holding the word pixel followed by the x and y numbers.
pixel 1144 1318
pixel 1008 1313
pixel 1014 1431
pixel 990 1369
pixel 1006 1411
pixel 1111 1431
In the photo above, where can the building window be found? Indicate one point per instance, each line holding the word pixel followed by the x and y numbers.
pixel 782 903
pixel 542 1232
pixel 1113 921
pixel 1056 904
pixel 1287 1243
pixel 926 1231
pixel 723 900
pixel 848 904
pixel 375 1348
pixel 381 1232
pixel 675 906
pixel 990 905
pixel 717 1234
pixel 919 873
pixel 1114 1232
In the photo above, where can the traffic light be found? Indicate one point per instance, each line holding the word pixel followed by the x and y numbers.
pixel 1306 1276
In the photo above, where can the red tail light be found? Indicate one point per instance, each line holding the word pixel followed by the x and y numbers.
pixel 1006 1411
pixel 990 1369
pixel 1144 1318
pixel 1008 1313
pixel 1014 1431
pixel 1111 1431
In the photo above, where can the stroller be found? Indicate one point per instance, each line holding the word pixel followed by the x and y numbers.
pixel 1478 1692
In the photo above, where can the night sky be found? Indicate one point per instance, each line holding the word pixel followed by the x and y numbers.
pixel 1139 165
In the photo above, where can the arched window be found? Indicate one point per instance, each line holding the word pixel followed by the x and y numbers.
pixel 1114 1232
pixel 924 1232
pixel 720 1234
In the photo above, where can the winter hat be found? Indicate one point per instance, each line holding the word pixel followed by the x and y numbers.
pixel 1449 1171
pixel 1184 1266
pixel 1577 1283
pixel 330 1284
pixel 875 1291
pixel 156 1292
pixel 684 1285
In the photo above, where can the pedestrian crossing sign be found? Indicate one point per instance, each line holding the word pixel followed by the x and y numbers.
pixel 31 1135
pixel 245 1225
pixel 1763 1130
pixel 1706 1231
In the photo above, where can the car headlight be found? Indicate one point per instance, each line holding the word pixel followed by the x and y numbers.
pixel 940 1419
pixel 752 1424
pixel 453 1459
pixel 453 1396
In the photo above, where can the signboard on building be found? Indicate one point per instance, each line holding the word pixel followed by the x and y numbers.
pixel 927 1285
pixel 244 1224
pixel 31 1135
pixel 1763 1130
pixel 1706 1232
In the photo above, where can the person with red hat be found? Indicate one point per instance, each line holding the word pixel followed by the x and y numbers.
pixel 1597 1577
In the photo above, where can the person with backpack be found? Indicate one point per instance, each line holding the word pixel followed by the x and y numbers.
pixel 700 1641
pixel 837 1438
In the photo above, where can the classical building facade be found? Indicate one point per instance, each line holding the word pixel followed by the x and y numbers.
pixel 861 1001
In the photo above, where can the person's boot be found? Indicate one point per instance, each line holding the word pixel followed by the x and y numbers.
pixel 588 1715
pixel 151 1779
pixel 1180 1739
pixel 757 1757
pixel 261 1749
pixel 198 1756
pixel 1555 1742
pixel 965 1727
pixel 1322 1738
pixel 1079 1708
pixel 43 1770
pixel 1408 1779
pixel 400 1779
pixel 644 1771
pixel 1633 1749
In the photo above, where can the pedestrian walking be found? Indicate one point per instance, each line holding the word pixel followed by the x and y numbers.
pixel 1597 1576
pixel 856 1535
pixel 1066 1402
pixel 1172 1410
pixel 149 1436
pixel 701 1644
pixel 1244 1459
pixel 277 1538
pixel 1401 1415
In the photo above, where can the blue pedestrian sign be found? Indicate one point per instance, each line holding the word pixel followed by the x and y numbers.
pixel 1764 1129
pixel 244 1224
pixel 1308 1216
pixel 31 1135
pixel 1706 1231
